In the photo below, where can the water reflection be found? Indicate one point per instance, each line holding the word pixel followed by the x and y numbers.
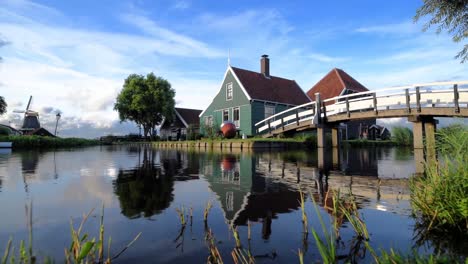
pixel 256 188
pixel 147 189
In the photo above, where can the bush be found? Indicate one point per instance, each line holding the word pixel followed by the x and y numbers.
pixel 47 142
pixel 440 197
pixel 402 136
pixel 4 131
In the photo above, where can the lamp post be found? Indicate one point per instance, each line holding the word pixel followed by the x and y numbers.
pixel 56 123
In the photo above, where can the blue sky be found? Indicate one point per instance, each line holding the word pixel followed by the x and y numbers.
pixel 73 56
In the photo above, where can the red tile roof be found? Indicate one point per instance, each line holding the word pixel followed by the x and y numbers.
pixel 190 116
pixel 274 89
pixel 333 84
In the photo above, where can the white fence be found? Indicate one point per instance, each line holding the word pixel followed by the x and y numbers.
pixel 411 98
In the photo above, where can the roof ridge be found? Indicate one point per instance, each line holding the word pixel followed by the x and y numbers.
pixel 187 108
pixel 340 77
pixel 270 76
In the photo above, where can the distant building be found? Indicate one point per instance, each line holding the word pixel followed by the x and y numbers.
pixel 178 129
pixel 247 97
pixel 38 132
pixel 379 132
pixel 11 131
pixel 337 83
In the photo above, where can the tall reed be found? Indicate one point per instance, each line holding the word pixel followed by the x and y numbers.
pixel 440 197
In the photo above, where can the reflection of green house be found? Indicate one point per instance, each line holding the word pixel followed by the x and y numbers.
pixel 242 193
pixel 247 97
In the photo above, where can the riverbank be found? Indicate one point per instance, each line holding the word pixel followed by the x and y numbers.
pixel 251 143
pixel 373 143
pixel 35 142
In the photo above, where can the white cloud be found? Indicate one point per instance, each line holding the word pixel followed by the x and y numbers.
pixel 406 27
pixel 181 4
pixel 325 58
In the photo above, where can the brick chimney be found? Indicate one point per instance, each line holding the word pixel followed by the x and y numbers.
pixel 265 66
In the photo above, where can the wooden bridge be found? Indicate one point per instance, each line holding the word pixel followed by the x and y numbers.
pixel 420 103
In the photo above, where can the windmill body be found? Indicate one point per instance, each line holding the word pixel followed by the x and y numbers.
pixel 31 119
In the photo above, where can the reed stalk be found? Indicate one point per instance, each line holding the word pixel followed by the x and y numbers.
pixel 207 210
pixel 304 214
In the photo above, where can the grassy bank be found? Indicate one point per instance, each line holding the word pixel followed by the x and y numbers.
pixel 296 142
pixel 371 143
pixel 28 142
pixel 440 197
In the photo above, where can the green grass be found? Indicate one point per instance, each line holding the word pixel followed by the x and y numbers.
pixel 402 136
pixel 22 142
pixel 366 143
pixel 440 197
pixel 83 249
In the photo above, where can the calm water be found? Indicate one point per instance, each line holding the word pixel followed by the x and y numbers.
pixel 142 187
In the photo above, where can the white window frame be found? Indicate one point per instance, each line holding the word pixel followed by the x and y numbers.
pixel 270 107
pixel 224 111
pixel 229 86
pixel 209 120
pixel 236 122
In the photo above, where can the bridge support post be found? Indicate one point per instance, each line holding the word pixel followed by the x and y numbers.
pixel 321 136
pixel 419 161
pixel 423 130
pixel 335 137
pixel 429 130
pixel 321 158
pixel 336 158
pixel 418 134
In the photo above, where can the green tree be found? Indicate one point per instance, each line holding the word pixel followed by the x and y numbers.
pixel 147 101
pixel 450 15
pixel 3 105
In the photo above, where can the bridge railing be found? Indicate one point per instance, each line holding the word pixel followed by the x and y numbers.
pixel 410 97
pixel 290 116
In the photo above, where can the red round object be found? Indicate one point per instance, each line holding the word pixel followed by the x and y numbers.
pixel 228 163
pixel 228 129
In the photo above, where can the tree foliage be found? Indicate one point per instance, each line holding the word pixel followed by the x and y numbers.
pixel 450 15
pixel 147 101
pixel 3 105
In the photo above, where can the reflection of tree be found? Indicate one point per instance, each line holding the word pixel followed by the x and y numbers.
pixel 452 243
pixel 145 190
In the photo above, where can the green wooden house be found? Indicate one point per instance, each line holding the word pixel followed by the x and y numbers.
pixel 247 97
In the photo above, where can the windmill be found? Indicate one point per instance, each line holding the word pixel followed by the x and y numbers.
pixel 31 118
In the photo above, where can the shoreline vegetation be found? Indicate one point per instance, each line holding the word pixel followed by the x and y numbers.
pixel 38 142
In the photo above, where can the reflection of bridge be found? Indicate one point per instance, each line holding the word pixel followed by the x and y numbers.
pixel 420 103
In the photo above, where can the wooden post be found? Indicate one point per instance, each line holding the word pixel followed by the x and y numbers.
pixel 336 158
pixel 408 105
pixel 375 102
pixel 456 97
pixel 429 131
pixel 269 126
pixel 347 107
pixel 335 137
pixel 418 135
pixel 297 116
pixel 418 100
pixel 320 136
pixel 318 111
pixel 282 123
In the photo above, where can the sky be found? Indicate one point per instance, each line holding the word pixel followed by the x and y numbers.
pixel 73 56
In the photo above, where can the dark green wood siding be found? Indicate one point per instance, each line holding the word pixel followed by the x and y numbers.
pixel 239 99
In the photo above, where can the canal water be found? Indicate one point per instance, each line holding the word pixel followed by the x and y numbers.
pixel 141 188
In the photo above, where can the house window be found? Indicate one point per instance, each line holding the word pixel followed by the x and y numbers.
pixel 269 110
pixel 208 121
pixel 236 118
pixel 225 115
pixel 228 91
